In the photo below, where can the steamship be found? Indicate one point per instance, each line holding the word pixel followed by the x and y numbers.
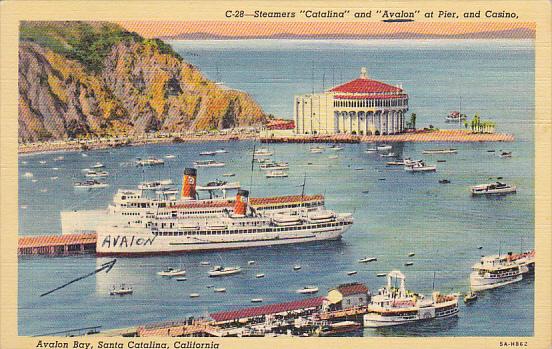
pixel 237 228
pixel 135 206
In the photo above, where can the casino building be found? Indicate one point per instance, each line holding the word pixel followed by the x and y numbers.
pixel 362 107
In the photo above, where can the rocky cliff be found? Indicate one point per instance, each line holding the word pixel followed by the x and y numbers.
pixel 80 79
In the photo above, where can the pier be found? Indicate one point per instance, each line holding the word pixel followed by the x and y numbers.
pixel 57 245
pixel 421 136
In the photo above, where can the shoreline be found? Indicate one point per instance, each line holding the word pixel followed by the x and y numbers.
pixel 421 136
pixel 444 136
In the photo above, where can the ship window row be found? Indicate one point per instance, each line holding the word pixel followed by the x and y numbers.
pixel 306 204
pixel 448 308
pixel 395 102
pixel 503 274
pixel 242 231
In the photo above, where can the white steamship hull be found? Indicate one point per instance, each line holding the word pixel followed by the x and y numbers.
pixel 130 241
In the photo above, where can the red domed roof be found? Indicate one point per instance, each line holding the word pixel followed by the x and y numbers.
pixel 365 85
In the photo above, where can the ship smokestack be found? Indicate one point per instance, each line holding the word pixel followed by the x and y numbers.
pixel 189 184
pixel 242 198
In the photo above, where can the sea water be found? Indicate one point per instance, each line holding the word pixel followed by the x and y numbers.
pixel 395 212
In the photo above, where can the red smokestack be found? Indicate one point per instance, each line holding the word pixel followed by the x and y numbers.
pixel 189 184
pixel 242 198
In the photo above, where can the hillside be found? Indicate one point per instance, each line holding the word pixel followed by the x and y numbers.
pixel 83 79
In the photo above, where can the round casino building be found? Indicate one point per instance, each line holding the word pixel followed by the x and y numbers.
pixel 362 107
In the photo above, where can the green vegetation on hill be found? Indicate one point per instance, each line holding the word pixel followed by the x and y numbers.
pixel 88 43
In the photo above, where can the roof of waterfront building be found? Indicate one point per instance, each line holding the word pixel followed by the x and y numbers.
pixel 352 288
pixel 267 309
pixel 365 85
pixel 364 96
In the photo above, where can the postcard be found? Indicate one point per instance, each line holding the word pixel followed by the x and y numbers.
pixel 306 174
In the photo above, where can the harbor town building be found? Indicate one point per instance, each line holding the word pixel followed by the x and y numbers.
pixel 361 107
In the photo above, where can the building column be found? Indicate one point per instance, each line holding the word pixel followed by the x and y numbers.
pixel 392 122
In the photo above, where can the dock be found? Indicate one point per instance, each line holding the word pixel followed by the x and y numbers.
pixel 421 136
pixel 57 245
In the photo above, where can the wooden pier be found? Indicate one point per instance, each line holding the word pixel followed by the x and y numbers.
pixel 57 245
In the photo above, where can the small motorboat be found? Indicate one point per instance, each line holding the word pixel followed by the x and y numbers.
pixel 384 147
pixel 149 162
pixel 381 275
pixel 440 151
pixel 353 272
pixel 365 192
pixel 470 297
pixel 207 153
pixel 28 175
pixel 367 259
pixel 90 184
pixel 204 263
pixel 221 151
pixel 219 290
pixel 333 157
pixel 497 188
pixel 444 181
pixel 491 151
pixel 419 166
pixel 256 300
pixel 194 295
pixel 407 264
pixel 260 276
pixel 340 327
pixel 274 166
pixel 479 247
pixel 170 272
pixel 181 279
pixel 441 160
pixel 170 156
pixel 455 116
pixel 411 254
pixel 154 185
pixel 228 174
pixel 98 165
pixel 121 291
pixel 395 163
pixel 250 262
pixel 297 267
pixel 316 150
pixel 370 150
pixel 388 155
pixel 276 174
pixel 307 290
pixel 263 152
pixel 336 147
pixel 208 163
pixel 210 286
pixel 505 154
pixel 219 270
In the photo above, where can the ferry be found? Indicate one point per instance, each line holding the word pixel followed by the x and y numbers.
pixel 496 271
pixel 132 206
pixel 208 163
pixel 240 228
pixel 497 188
pixel 440 151
pixel 150 162
pixel 90 184
pixel 395 305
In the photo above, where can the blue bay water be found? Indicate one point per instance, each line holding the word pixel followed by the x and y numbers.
pixel 404 213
